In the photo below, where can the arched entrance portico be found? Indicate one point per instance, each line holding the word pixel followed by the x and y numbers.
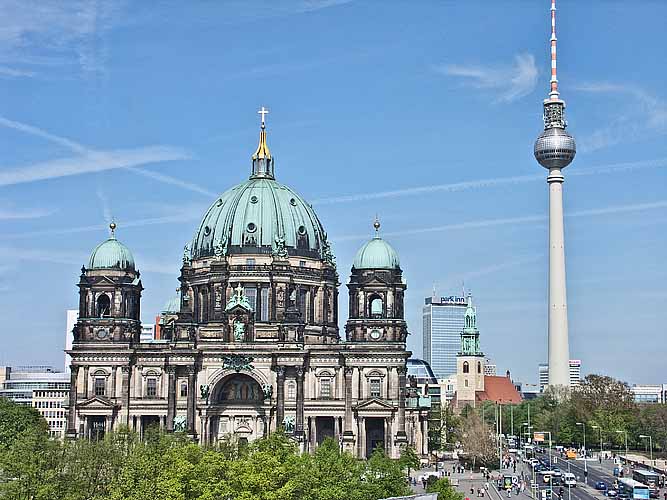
pixel 237 409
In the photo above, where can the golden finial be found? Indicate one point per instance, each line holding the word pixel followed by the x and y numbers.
pixel 112 226
pixel 376 225
pixel 262 152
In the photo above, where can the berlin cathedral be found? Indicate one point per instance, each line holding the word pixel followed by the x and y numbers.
pixel 252 341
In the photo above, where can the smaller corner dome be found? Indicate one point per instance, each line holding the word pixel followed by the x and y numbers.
pixel 377 254
pixel 173 305
pixel 111 254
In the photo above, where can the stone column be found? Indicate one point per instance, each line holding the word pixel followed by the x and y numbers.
pixel 336 428
pixel 192 399
pixel 348 433
pixel 125 394
pixel 86 370
pixel 400 432
pixel 171 398
pixel 280 396
pixel 71 413
pixel 299 401
pixel 114 376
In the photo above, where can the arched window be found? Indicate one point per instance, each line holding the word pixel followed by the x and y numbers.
pixel 291 391
pixel 184 389
pixel 479 367
pixel 466 367
pixel 241 388
pixel 377 307
pixel 103 306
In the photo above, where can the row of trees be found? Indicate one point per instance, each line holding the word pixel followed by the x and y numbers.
pixel 605 405
pixel 172 467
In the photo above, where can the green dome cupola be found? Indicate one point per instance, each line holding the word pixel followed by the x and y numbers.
pixel 261 216
pixel 111 254
pixel 377 254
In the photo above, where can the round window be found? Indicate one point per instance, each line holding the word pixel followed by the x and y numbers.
pixel 254 199
pixel 302 230
pixel 376 334
pixel 220 202
pixel 207 230
pixel 292 202
pixel 252 227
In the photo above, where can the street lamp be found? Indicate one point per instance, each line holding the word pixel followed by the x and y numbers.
pixel 583 425
pixel 599 429
pixel 551 482
pixel 650 440
pixel 626 444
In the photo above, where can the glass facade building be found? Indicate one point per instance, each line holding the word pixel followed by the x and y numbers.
pixel 443 321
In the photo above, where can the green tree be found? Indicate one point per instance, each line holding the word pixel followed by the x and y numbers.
pixel 408 459
pixel 383 477
pixel 444 489
pixel 16 419
pixel 479 447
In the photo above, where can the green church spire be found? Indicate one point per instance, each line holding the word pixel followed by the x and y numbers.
pixel 470 333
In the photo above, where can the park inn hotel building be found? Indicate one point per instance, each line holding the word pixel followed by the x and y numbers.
pixel 443 320
pixel 252 342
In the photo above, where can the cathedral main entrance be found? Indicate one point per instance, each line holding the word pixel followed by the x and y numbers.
pixel 236 411
pixel 375 437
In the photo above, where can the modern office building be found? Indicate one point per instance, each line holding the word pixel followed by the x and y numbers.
pixel 42 387
pixel 443 321
pixel 651 393
pixel 51 403
pixel 447 388
pixel 575 374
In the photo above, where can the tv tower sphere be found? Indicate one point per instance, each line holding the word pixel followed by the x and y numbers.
pixel 555 148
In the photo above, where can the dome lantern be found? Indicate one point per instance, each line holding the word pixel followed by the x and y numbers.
pixel 377 253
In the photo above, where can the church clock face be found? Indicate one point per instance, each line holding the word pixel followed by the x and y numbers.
pixel 375 334
pixel 102 333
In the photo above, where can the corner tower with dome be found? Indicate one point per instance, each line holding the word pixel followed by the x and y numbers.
pixel 252 341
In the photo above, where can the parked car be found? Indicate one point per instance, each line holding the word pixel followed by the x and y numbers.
pixel 569 480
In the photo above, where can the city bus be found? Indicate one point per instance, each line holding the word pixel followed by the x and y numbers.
pixel 631 489
pixel 649 478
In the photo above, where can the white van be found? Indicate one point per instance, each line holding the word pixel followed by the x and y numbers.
pixel 569 480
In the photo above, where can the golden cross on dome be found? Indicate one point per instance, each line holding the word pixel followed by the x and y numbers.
pixel 263 111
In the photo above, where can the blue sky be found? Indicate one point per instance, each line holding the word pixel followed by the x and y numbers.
pixel 422 112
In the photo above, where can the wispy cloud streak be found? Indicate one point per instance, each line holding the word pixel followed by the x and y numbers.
pixel 509 82
pixel 614 209
pixel 92 160
pixel 647 116
pixel 488 183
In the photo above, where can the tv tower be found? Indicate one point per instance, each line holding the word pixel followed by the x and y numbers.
pixel 555 150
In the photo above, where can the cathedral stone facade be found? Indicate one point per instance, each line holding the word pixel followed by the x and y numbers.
pixel 252 342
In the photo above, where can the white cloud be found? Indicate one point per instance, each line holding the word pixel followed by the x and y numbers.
pixel 73 166
pixel 55 32
pixel 528 219
pixel 645 117
pixel 488 183
pixel 509 82
pixel 14 214
pixel 95 162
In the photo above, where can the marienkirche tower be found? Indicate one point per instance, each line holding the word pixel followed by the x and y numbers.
pixel 555 150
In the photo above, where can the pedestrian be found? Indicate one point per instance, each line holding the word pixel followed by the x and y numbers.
pixel 509 492
pixel 665 495
pixel 472 490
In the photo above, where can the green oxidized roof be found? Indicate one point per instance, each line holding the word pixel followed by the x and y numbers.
pixel 173 305
pixel 111 254
pixel 260 215
pixel 377 254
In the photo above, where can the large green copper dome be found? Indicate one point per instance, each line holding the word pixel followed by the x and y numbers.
pixel 260 215
pixel 111 254
pixel 377 254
